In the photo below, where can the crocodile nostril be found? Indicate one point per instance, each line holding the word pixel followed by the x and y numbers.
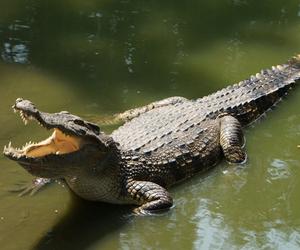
pixel 19 100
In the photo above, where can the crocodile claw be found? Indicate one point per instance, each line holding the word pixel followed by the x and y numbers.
pixel 33 187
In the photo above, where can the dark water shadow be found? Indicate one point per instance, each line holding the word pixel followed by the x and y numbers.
pixel 88 44
pixel 86 223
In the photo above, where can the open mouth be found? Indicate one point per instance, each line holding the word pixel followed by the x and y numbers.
pixel 57 143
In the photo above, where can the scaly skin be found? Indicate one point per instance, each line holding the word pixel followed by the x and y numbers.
pixel 159 145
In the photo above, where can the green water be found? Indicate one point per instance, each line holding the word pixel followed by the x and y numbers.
pixel 96 58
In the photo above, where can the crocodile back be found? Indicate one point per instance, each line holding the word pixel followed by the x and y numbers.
pixel 169 144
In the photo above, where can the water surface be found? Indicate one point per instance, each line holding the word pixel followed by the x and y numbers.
pixel 95 58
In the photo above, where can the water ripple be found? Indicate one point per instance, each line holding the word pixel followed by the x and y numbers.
pixel 278 169
pixel 211 232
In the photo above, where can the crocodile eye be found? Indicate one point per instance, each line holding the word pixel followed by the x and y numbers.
pixel 79 122
pixel 93 127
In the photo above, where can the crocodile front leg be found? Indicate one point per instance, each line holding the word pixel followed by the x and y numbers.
pixel 33 187
pixel 231 139
pixel 150 196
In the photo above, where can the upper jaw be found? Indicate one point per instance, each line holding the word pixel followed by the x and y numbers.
pixel 64 121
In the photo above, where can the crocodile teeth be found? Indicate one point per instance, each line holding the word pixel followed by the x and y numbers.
pixel 25 146
pixel 24 117
pixel 8 148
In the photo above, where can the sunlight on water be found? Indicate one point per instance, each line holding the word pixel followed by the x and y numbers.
pixel 211 230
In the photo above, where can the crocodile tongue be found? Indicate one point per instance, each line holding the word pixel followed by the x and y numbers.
pixel 57 143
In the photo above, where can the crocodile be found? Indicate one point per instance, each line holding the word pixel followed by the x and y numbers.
pixel 157 146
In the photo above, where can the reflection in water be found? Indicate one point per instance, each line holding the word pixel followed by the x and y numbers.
pixel 17 53
pixel 239 2
pixel 180 53
pixel 234 56
pixel 272 238
pixel 15 42
pixel 278 170
pixel 212 232
pixel 286 240
pixel 129 56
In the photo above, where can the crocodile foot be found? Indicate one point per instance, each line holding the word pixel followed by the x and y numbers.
pixel 33 187
pixel 152 198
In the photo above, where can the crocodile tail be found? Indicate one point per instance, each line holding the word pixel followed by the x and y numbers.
pixel 295 61
pixel 251 98
pixel 267 88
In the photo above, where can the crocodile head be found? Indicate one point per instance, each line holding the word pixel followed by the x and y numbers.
pixel 73 144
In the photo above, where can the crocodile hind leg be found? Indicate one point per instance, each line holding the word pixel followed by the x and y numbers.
pixel 232 139
pixel 151 197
